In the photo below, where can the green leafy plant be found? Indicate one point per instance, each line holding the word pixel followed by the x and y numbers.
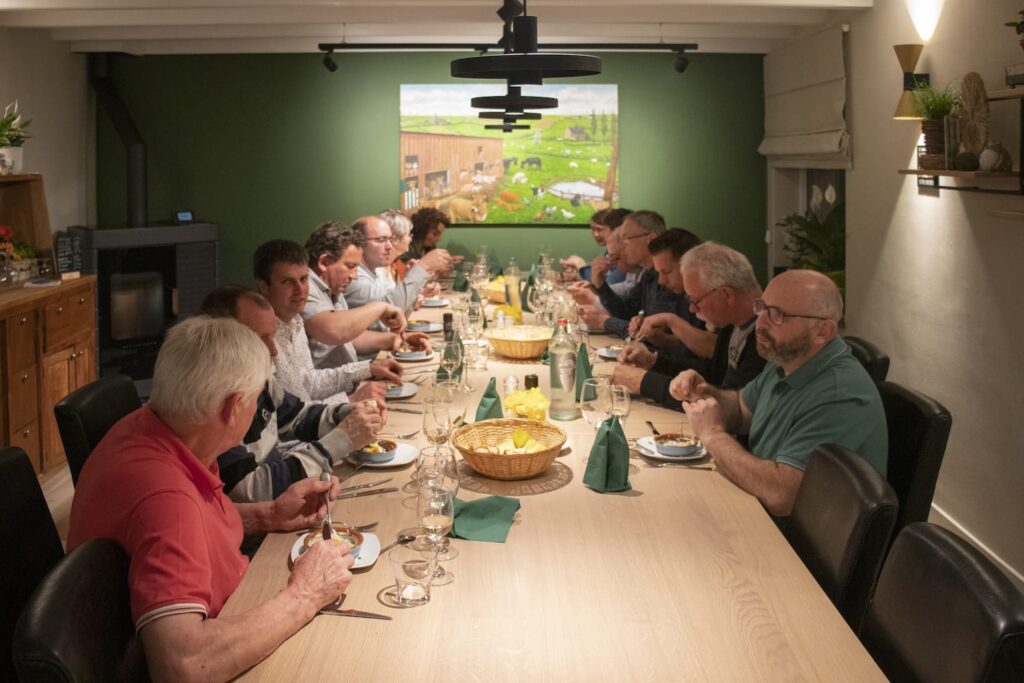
pixel 817 239
pixel 1017 25
pixel 12 128
pixel 935 104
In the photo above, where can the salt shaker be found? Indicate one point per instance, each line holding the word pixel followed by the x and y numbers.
pixel 510 384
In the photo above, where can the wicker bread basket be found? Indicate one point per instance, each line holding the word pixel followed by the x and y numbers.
pixel 520 341
pixel 471 439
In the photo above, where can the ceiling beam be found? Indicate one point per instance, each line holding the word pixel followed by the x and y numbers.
pixel 541 7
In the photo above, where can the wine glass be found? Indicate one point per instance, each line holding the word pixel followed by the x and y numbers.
pixel 437 424
pixel 441 473
pixel 620 402
pixel 435 511
pixel 451 358
pixel 595 401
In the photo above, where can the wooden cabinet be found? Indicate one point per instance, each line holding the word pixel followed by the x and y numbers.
pixel 47 350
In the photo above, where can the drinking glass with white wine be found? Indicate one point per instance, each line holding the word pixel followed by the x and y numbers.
pixel 435 511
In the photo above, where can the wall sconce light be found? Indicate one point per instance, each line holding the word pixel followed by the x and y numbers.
pixel 908 56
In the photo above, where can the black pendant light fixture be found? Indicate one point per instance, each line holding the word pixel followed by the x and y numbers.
pixel 520 64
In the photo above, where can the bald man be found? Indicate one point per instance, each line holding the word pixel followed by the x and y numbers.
pixel 811 392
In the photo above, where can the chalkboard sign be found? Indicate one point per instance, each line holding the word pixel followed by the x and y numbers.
pixel 68 251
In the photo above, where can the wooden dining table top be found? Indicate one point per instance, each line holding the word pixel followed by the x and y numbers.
pixel 683 578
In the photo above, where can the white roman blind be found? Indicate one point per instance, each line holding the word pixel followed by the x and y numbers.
pixel 804 99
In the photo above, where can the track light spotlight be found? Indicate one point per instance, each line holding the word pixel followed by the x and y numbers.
pixel 682 61
pixel 510 9
pixel 329 62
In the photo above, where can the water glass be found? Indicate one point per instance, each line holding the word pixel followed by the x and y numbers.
pixel 596 400
pixel 476 354
pixel 620 402
pixel 413 575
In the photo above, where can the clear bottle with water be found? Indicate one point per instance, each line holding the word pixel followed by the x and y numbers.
pixel 562 361
pixel 513 279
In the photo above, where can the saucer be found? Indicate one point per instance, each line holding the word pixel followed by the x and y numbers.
pixel 424 326
pixel 368 551
pixel 435 303
pixel 407 390
pixel 411 356
pixel 608 353
pixel 405 454
pixel 647 447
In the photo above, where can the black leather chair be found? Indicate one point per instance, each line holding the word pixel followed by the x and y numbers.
pixel 874 360
pixel 918 432
pixel 28 537
pixel 78 624
pixel 84 416
pixel 840 527
pixel 944 613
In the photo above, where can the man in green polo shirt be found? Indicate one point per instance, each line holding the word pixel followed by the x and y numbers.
pixel 813 391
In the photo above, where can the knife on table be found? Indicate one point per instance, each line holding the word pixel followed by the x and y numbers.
pixel 357 494
pixel 405 410
pixel 354 613
pixel 364 486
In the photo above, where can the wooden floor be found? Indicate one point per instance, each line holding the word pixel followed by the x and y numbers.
pixel 58 491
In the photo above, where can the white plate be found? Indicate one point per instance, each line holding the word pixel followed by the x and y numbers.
pixel 407 390
pixel 405 454
pixel 646 446
pixel 414 359
pixel 608 353
pixel 435 303
pixel 428 327
pixel 369 551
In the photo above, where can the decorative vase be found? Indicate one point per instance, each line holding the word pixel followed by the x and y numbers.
pixel 934 156
pixel 10 160
pixel 995 158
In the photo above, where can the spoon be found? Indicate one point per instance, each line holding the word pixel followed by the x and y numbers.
pixel 326 528
pixel 402 540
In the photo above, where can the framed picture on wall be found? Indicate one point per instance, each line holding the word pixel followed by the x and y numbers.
pixel 558 172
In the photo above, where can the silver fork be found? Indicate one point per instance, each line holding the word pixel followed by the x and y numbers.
pixel 709 468
pixel 399 436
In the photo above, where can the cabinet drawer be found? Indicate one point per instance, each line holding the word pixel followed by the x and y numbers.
pixel 20 340
pixel 68 319
pixel 27 439
pixel 22 395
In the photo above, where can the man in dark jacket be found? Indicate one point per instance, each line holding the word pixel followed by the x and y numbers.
pixel 721 287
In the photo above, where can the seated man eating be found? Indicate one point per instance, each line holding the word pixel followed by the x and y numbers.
pixel 812 392
pixel 287 439
pixel 152 486
pixel 721 287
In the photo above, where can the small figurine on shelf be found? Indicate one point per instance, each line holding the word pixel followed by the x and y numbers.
pixel 12 137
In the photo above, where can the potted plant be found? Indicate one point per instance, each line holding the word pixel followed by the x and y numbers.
pixel 817 239
pixel 934 106
pixel 1018 25
pixel 12 137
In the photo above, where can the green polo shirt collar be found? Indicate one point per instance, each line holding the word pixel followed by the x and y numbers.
pixel 806 372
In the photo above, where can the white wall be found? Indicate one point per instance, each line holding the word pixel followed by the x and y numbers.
pixel 934 278
pixel 52 88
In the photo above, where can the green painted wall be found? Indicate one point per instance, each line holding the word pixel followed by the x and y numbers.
pixel 272 145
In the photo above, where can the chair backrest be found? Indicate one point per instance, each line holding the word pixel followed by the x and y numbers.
pixel 918 432
pixel 31 545
pixel 944 613
pixel 78 624
pixel 874 360
pixel 840 527
pixel 85 415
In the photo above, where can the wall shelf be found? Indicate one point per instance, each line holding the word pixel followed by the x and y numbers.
pixel 1011 215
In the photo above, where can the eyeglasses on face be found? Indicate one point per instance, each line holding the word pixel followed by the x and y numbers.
pixel 380 240
pixel 776 316
pixel 633 237
pixel 699 300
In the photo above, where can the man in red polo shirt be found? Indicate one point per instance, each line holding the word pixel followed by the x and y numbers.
pixel 152 485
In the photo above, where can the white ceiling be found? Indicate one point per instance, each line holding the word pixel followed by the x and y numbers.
pixel 264 26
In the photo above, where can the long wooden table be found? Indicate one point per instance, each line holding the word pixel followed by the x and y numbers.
pixel 683 578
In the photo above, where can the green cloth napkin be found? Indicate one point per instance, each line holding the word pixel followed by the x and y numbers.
pixel 608 467
pixel 490 404
pixel 583 369
pixel 487 519
pixel 461 283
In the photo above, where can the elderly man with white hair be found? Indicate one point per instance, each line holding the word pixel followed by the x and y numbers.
pixel 812 392
pixel 152 486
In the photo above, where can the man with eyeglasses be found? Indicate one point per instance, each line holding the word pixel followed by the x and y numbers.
pixel 722 288
pixel 811 392
pixel 373 284
pixel 620 313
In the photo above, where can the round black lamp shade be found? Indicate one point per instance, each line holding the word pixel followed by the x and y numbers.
pixel 526 69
